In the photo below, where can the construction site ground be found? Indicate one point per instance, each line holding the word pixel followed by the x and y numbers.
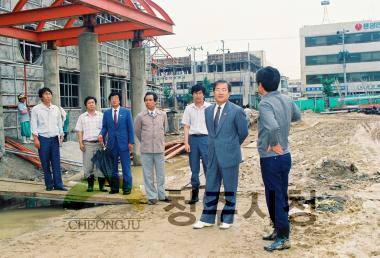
pixel 334 189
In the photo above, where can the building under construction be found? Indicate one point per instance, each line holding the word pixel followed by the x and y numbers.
pixel 77 49
pixel 238 68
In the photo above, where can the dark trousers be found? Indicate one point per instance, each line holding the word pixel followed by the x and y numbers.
pixel 125 160
pixel 215 175
pixel 50 156
pixel 198 151
pixel 275 173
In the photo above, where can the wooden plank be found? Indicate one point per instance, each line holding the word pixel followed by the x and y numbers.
pixel 77 193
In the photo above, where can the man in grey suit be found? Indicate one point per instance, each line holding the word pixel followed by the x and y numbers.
pixel 227 129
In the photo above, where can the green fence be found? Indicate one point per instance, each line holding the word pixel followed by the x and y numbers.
pixel 318 105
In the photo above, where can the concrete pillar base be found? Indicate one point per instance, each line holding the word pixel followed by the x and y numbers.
pixel 138 90
pixel 89 82
pixel 51 73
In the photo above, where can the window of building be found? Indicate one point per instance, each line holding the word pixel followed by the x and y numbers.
pixel 116 85
pixel 350 38
pixel 103 97
pixel 183 85
pixel 30 51
pixel 351 58
pixel 69 89
pixel 351 77
pixel 236 84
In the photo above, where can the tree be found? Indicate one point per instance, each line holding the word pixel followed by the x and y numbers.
pixel 168 94
pixel 208 87
pixel 327 90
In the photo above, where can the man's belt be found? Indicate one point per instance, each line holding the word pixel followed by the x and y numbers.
pixel 198 135
pixel 95 141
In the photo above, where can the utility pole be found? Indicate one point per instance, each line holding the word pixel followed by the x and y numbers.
pixel 224 58
pixel 174 87
pixel 194 49
pixel 344 54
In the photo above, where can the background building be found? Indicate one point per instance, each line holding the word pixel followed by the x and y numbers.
pixel 330 49
pixel 240 68
pixel 21 70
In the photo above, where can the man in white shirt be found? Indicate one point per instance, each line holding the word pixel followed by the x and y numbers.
pixel 88 128
pixel 196 137
pixel 46 124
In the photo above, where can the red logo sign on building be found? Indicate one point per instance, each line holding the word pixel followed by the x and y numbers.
pixel 359 26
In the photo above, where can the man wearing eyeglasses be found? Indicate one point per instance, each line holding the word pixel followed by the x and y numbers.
pixel 227 129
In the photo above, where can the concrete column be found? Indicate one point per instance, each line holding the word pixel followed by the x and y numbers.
pixel 2 138
pixel 51 73
pixel 89 82
pixel 138 81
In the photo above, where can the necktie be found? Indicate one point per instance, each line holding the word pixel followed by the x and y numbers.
pixel 216 119
pixel 115 117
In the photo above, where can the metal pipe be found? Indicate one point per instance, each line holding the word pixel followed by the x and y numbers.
pixel 66 161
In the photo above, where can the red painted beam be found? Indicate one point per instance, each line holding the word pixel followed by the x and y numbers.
pixel 146 7
pixel 19 34
pixel 70 23
pixel 20 4
pixel 112 37
pixel 129 13
pixel 44 14
pixel 161 11
pixel 104 28
pixel 41 25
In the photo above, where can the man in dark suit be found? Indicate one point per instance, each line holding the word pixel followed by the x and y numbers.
pixel 227 130
pixel 118 127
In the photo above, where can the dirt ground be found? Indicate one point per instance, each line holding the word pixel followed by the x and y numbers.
pixel 334 189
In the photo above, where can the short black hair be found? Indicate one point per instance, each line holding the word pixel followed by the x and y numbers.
pixel 155 97
pixel 269 77
pixel 43 90
pixel 220 82
pixel 198 87
pixel 88 98
pixel 114 93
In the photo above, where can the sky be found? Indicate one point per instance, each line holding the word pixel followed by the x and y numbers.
pixel 269 25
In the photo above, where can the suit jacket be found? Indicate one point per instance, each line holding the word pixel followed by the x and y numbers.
pixel 224 142
pixel 123 132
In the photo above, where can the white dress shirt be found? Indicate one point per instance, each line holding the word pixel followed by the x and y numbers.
pixel 152 113
pixel 221 109
pixel 90 125
pixel 195 118
pixel 46 121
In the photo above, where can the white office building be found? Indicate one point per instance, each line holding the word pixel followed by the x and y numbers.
pixel 322 57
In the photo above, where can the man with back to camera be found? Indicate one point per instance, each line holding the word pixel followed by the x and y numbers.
pixel 46 124
pixel 196 137
pixel 227 128
pixel 276 112
pixel 118 127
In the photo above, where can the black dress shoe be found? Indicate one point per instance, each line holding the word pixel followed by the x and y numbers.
pixel 61 189
pixel 278 244
pixel 152 201
pixel 113 192
pixel 126 192
pixel 49 188
pixel 167 199
pixel 271 237
pixel 194 196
